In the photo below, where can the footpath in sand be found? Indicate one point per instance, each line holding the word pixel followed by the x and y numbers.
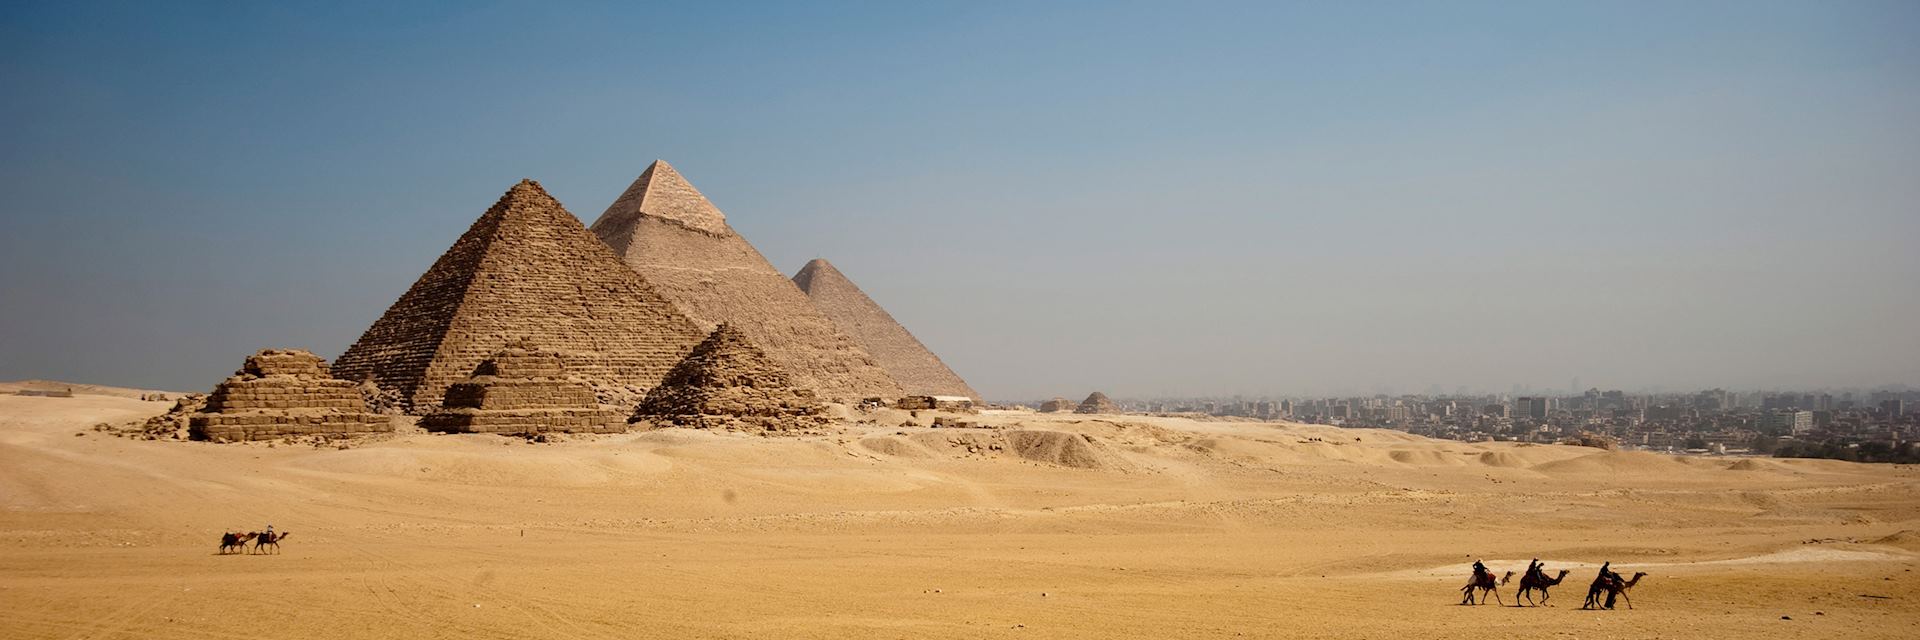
pixel 1055 526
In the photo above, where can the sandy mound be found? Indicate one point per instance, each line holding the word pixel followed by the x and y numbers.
pixel 1054 447
pixel 1502 459
pixel 894 446
pixel 1906 539
pixel 1425 458
pixel 1751 464
pixel 1613 462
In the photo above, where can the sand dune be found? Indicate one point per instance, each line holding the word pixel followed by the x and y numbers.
pixel 1029 526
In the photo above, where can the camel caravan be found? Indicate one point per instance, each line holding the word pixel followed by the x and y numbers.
pixel 235 542
pixel 1607 587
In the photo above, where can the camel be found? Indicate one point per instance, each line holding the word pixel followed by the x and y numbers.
pixel 1605 585
pixel 270 538
pixel 1541 582
pixel 1484 582
pixel 234 541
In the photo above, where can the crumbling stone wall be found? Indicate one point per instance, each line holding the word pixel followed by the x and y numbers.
pixel 526 271
pixel 284 392
pixel 911 363
pixel 727 382
pixel 1058 405
pixel 668 232
pixel 522 391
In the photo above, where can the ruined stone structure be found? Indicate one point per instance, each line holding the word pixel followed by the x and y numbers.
pixel 522 391
pixel 911 364
pixel 728 382
pixel 671 235
pixel 528 271
pixel 1097 403
pixel 1058 405
pixel 284 392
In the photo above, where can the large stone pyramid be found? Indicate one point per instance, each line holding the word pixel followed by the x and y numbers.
pixel 678 241
pixel 527 272
pixel 911 364
pixel 726 381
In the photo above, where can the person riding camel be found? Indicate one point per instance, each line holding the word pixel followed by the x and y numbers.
pixel 1614 581
pixel 1480 571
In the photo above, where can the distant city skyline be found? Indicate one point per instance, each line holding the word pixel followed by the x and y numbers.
pixel 1240 197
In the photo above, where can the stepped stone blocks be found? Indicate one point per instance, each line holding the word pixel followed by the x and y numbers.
pixel 911 364
pixel 284 392
pixel 527 270
pixel 672 236
pixel 1097 403
pixel 522 391
pixel 1058 405
pixel 727 382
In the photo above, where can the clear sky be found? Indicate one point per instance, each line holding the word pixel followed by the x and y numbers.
pixel 1142 198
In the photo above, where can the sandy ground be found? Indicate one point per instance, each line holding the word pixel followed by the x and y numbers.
pixel 1146 527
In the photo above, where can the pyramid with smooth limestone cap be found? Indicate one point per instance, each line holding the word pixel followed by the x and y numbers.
pixel 526 273
pixel 670 234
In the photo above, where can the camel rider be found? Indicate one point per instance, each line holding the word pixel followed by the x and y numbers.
pixel 269 532
pixel 1480 570
pixel 1614 584
pixel 1534 569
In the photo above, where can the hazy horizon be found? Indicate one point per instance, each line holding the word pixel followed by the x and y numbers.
pixel 1234 198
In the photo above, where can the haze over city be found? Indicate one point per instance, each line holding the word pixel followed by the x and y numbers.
pixel 1250 199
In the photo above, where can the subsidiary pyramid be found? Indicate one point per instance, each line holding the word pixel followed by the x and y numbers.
pixel 911 364
pixel 1097 403
pixel 726 381
pixel 527 272
pixel 672 236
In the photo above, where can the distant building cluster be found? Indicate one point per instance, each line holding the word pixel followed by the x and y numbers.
pixel 1878 425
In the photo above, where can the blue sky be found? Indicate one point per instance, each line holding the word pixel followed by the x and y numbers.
pixel 1140 198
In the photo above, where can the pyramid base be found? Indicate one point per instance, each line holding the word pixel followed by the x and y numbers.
pixel 520 422
pixel 739 423
pixel 270 425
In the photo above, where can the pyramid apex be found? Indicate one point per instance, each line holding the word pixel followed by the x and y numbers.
pixel 662 193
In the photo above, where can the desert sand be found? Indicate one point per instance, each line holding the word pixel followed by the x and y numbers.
pixel 1057 526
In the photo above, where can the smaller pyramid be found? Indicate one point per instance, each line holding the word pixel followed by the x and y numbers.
pixel 1057 405
pixel 911 363
pixel 1097 403
pixel 284 392
pixel 522 391
pixel 727 382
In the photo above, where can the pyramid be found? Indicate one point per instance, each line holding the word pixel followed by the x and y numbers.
pixel 527 272
pixel 522 391
pixel 284 392
pixel 1097 403
pixel 1058 405
pixel 726 381
pixel 911 364
pixel 669 233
